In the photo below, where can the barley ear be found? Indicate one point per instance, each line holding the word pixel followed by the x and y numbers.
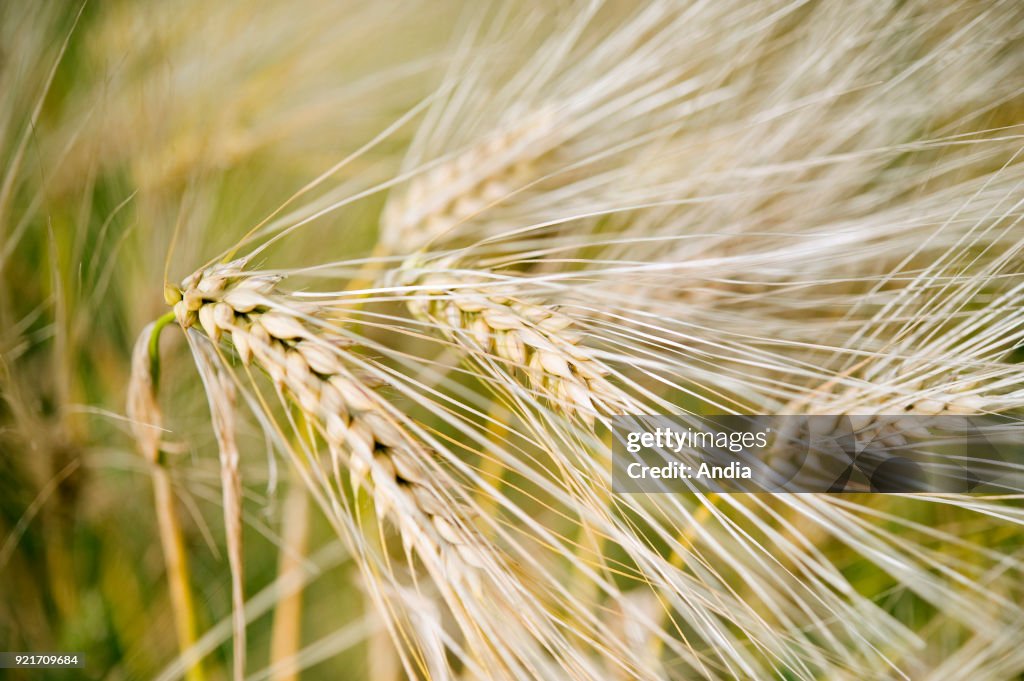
pixel 355 422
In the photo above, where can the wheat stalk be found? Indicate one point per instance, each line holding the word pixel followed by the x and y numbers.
pixel 286 633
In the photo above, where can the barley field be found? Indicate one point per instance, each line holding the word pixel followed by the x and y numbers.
pixel 315 318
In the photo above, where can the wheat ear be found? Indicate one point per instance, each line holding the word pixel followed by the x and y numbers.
pixel 468 183
pixel 529 337
pixel 310 366
pixel 362 434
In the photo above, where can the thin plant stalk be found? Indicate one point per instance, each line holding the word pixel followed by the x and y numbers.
pixel 286 632
pixel 147 420
pixel 221 397
pixel 176 561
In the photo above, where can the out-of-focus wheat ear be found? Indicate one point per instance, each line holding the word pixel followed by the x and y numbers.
pixel 147 425
pixel 220 393
pixel 468 183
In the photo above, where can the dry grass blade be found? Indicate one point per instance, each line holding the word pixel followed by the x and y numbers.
pixel 220 393
pixel 147 424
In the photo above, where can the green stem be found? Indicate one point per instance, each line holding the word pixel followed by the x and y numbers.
pixel 154 347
